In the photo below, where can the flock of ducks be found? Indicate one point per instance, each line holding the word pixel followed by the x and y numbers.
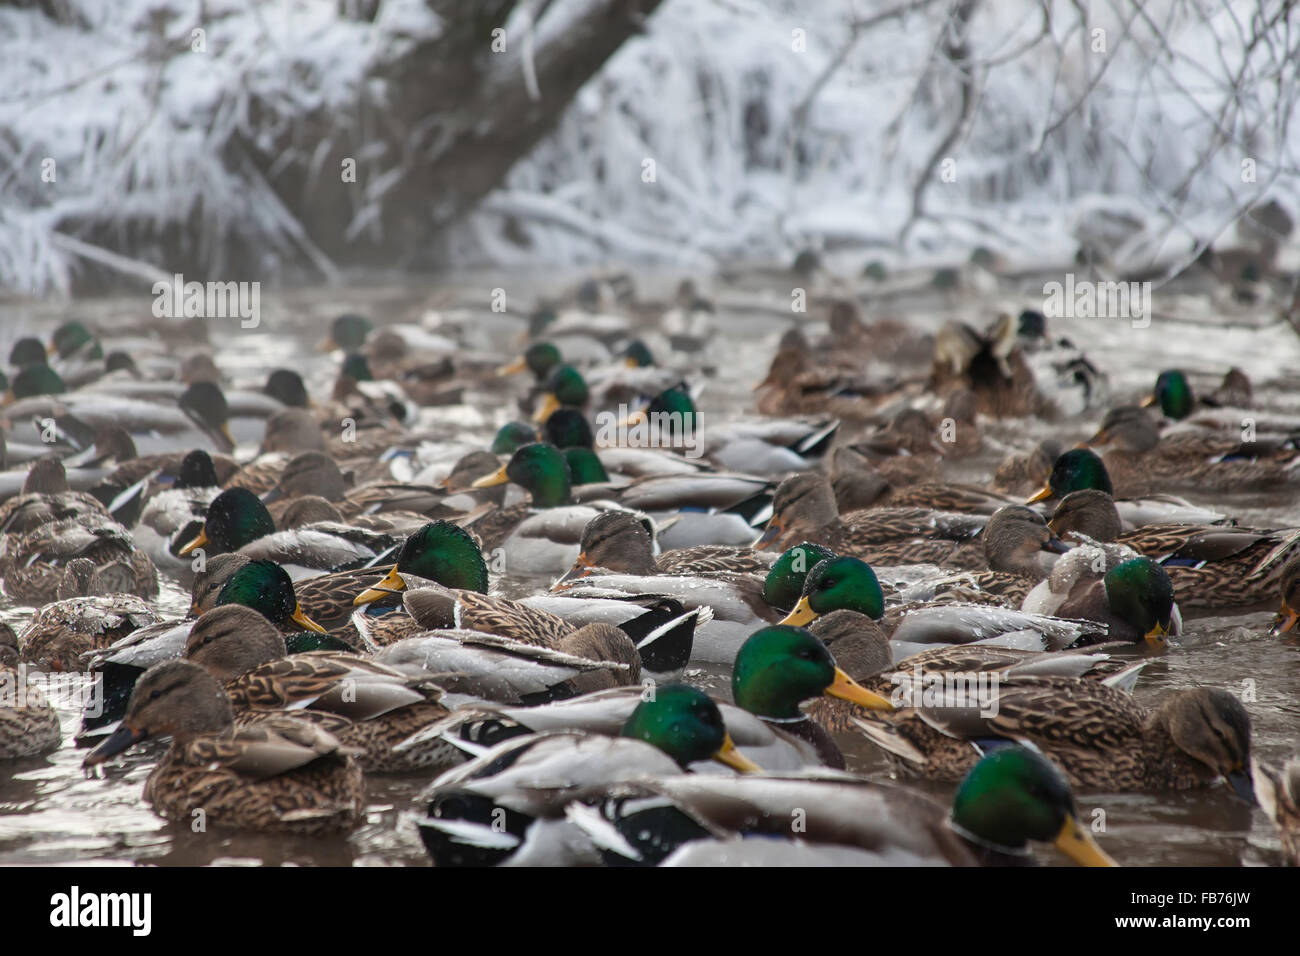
pixel 522 618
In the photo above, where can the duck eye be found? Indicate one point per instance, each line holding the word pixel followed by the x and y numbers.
pixel 154 695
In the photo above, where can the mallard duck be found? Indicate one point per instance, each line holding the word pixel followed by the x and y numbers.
pixel 283 775
pixel 1289 584
pixel 1080 469
pixel 1011 799
pixel 847 583
pixel 45 498
pixel 618 541
pixel 803 509
pixel 778 668
pixel 28 724
pixel 677 727
pixel 237 520
pixel 1140 458
pixel 1278 791
pixel 61 632
pixel 858 485
pixel 34 565
pixel 1210 566
pixel 370 708
pixel 172 516
pixel 1101 737
pixel 1132 595
pixel 991 365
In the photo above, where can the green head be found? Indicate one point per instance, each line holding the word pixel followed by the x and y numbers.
pixel 286 386
pixel 235 518
pixel 541 358
pixel 538 468
pixel 512 436
pixel 119 361
pixel 540 320
pixel 37 380
pixel 779 667
pixel 1173 394
pixel 349 331
pixel 356 367
pixel 637 355
pixel 1139 591
pixel 1077 470
pixel 73 338
pixel 584 467
pixel 785 580
pixel 568 428
pixel 1014 796
pixel 838 584
pixel 446 553
pixel 685 724
pixel 27 351
pixel 197 471
pixel 266 588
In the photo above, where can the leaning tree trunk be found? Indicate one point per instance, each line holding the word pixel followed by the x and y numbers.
pixel 453 117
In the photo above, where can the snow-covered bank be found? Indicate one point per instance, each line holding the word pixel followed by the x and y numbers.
pixel 732 130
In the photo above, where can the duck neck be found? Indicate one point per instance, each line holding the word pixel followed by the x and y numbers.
pixel 811 732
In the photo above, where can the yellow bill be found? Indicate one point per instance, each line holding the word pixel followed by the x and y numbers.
pixel 549 404
pixel 729 755
pixel 1043 494
pixel 801 614
pixel 1077 843
pixel 512 368
pixel 303 621
pixel 1156 637
pixel 391 584
pixel 498 477
pixel 846 688
pixel 199 541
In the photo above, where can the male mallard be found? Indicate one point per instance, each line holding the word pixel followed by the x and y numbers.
pixel 1012 798
pixel 1101 737
pixel 1210 566
pixel 369 707
pixel 1132 595
pixel 28 724
pixel 237 520
pixel 778 668
pixel 677 727
pixel 282 775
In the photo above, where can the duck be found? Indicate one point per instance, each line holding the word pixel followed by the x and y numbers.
pixel 619 541
pixel 34 565
pixel 676 729
pixel 45 497
pixel 237 520
pixel 1012 799
pixel 1141 458
pixel 858 485
pixel 61 632
pixel 1098 735
pixel 1289 584
pixel 278 776
pixel 29 726
pixel 1210 566
pixel 803 508
pixel 172 516
pixel 1277 789
pixel 1081 469
pixel 369 707
pixel 847 583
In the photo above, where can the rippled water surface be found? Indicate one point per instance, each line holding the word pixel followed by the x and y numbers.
pixel 51 812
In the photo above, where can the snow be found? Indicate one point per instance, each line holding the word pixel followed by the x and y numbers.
pixel 136 123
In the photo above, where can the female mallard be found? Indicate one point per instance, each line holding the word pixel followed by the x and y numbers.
pixel 1101 737
pixel 858 485
pixel 237 520
pixel 46 498
pixel 619 541
pixel 1009 800
pixel 1210 566
pixel 1142 459
pixel 33 565
pixel 803 509
pixel 376 706
pixel 28 724
pixel 280 775
pixel 1278 791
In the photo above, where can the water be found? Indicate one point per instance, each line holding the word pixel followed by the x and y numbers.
pixel 51 812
